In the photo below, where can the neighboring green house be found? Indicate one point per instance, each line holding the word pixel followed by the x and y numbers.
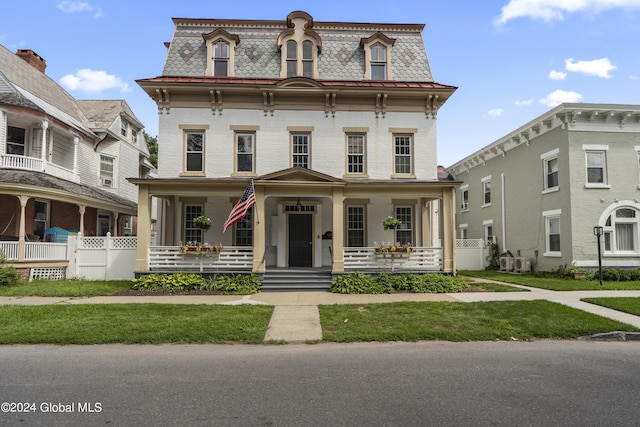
pixel 539 191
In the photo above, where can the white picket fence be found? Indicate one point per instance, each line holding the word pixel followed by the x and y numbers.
pixel 102 258
pixel 471 254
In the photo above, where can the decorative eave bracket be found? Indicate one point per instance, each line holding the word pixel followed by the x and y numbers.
pixel 381 104
pixel 268 102
pixel 216 101
pixel 432 105
pixel 330 104
pixel 162 101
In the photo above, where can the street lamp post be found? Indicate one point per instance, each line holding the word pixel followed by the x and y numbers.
pixel 597 231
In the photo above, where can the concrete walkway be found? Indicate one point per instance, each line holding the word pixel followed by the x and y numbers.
pixel 296 318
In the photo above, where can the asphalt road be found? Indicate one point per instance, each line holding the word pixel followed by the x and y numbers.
pixel 393 384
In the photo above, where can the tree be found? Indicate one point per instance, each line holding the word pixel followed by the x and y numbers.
pixel 152 145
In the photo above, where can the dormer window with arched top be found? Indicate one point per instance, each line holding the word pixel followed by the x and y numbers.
pixel 300 46
pixel 221 48
pixel 377 54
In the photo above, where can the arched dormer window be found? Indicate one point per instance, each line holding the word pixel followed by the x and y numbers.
pixel 300 46
pixel 377 54
pixel 221 48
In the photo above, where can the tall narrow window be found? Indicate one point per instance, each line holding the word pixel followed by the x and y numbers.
pixel 300 150
pixel 355 153
pixel 244 230
pixel 107 171
pixel 124 126
pixel 292 58
pixel 486 191
pixel 40 218
pixel 550 170
pixel 404 233
pixel 355 226
pixel 552 231
pixel 403 152
pixel 464 196
pixel 194 152
pixel 245 152
pixel 15 140
pixel 221 58
pixel 307 59
pixel 191 232
pixel 596 167
pixel 378 62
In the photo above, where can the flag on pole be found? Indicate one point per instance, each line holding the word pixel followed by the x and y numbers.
pixel 240 209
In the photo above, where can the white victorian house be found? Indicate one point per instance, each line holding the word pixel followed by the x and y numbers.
pixel 335 124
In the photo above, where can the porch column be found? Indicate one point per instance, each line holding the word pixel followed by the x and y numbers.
pixel 448 230
pixel 43 148
pixel 425 215
pixel 22 230
pixel 116 226
pixel 168 219
pixel 259 232
pixel 81 209
pixel 144 228
pixel 338 230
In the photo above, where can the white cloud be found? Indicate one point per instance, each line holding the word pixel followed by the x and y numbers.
pixel 93 81
pixel 549 10
pixel 557 75
pixel 524 102
pixel 598 67
pixel 558 97
pixel 69 6
pixel 495 112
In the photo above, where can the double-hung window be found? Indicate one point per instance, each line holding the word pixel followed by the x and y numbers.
pixel 403 154
pixel 356 154
pixel 550 171
pixel 378 62
pixel 621 231
pixel 464 197
pixel 194 151
pixel 15 140
pixel 124 126
pixel 220 58
pixel 552 232
pixel 292 58
pixel 596 165
pixel 191 232
pixel 404 233
pixel 244 230
pixel 107 171
pixel 486 191
pixel 307 59
pixel 355 226
pixel 300 150
pixel 245 152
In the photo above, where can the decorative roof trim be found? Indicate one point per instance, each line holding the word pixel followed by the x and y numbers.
pixel 221 32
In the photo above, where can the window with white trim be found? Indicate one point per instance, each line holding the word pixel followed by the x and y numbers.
pixel 16 140
pixel 300 150
pixel 307 59
pixel 378 62
pixel 292 58
pixel 596 165
pixel 377 55
pixel 107 171
pixel 464 197
pixel 245 152
pixel 621 231
pixel 550 170
pixel 355 226
pixel 243 230
pixel 356 153
pixel 464 231
pixel 637 148
pixel 404 232
pixel 552 233
pixel 489 237
pixel 194 151
pixel 124 126
pixel 403 154
pixel 40 217
pixel 191 232
pixel 486 191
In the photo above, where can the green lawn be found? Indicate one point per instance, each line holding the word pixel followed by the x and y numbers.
pixel 627 305
pixel 66 288
pixel 497 287
pixel 452 321
pixel 133 324
pixel 550 283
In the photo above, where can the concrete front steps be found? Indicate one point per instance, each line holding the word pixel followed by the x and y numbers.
pixel 296 279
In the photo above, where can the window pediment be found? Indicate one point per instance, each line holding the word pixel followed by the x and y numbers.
pixel 220 62
pixel 300 46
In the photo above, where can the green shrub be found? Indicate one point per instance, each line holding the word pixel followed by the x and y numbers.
pixel 8 274
pixel 437 283
pixel 358 283
pixel 392 281
pixel 168 282
pixel 610 274
pixel 562 272
pixel 238 284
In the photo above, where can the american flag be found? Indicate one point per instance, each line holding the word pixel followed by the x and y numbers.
pixel 240 209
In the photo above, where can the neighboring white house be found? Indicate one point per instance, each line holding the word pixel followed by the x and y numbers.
pixel 539 191
pixel 335 124
pixel 63 162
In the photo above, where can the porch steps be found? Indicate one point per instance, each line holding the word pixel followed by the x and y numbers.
pixel 292 279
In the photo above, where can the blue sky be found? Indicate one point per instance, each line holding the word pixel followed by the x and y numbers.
pixel 512 60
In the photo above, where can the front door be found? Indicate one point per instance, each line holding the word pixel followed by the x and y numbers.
pixel 300 240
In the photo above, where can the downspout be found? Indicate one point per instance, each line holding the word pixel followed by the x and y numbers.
pixel 503 214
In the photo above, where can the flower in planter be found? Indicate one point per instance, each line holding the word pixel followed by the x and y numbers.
pixel 391 223
pixel 384 247
pixel 202 222
pixel 198 248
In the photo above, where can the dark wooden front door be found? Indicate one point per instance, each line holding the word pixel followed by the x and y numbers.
pixel 300 240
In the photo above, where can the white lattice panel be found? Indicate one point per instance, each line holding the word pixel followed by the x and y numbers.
pixel 52 273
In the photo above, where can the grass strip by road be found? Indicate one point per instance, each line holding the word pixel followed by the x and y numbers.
pixel 626 305
pixel 133 324
pixel 554 284
pixel 65 288
pixel 452 321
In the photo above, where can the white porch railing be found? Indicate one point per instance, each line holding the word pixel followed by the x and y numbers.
pixel 421 258
pixel 35 251
pixel 164 258
pixel 14 161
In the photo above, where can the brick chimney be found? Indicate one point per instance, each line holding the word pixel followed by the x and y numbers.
pixel 33 59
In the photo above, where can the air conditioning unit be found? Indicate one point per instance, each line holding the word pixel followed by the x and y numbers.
pixel 521 264
pixel 506 263
pixel 106 182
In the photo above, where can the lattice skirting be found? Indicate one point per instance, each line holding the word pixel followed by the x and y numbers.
pixel 53 273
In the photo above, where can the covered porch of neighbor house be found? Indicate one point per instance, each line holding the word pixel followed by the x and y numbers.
pixel 302 219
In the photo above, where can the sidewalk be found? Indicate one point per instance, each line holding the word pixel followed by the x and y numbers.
pixel 296 318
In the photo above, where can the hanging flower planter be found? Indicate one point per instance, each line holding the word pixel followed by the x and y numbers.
pixel 390 223
pixel 202 222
